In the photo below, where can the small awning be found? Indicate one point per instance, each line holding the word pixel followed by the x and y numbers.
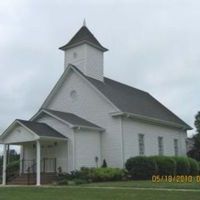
pixel 26 131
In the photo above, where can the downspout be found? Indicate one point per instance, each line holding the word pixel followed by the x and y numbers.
pixel 122 139
pixel 74 149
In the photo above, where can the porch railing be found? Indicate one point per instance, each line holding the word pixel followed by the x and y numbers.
pixel 28 168
pixel 1 172
pixel 48 165
pixel 12 170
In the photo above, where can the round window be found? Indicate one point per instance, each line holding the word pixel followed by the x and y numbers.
pixel 73 94
pixel 18 130
pixel 74 55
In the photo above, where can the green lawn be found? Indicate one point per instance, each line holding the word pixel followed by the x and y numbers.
pixel 147 184
pixel 110 190
pixel 76 193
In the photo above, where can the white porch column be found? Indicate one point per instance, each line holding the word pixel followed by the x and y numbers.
pixel 21 158
pixel 38 162
pixel 4 164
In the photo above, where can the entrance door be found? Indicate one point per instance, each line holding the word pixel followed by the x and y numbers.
pixel 48 158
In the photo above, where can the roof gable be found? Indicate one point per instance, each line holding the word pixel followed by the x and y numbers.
pixel 134 100
pixel 63 78
pixel 17 133
pixel 25 131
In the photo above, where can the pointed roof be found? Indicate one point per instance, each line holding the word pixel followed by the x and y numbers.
pixel 83 36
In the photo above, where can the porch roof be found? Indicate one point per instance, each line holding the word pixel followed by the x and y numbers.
pixel 41 129
pixel 73 119
pixel 26 131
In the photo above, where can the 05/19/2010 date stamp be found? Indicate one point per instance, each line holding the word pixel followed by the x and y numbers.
pixel 175 179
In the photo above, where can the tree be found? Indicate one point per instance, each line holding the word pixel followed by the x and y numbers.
pixel 197 122
pixel 195 152
pixel 196 137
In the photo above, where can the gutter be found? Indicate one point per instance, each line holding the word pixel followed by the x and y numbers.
pixel 150 119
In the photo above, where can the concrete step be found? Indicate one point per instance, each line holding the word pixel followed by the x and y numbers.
pixel 46 178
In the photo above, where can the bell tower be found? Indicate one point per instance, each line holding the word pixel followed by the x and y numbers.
pixel 86 53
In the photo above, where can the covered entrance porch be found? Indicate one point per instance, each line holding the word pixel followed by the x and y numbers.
pixel 42 151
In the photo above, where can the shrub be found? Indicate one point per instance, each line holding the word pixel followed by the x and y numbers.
pixel 106 174
pixel 82 174
pixel 62 182
pixel 165 165
pixel 12 170
pixel 194 167
pixel 80 181
pixel 63 176
pixel 141 167
pixel 86 175
pixel 13 165
pixel 194 153
pixel 199 166
pixel 182 165
pixel 104 165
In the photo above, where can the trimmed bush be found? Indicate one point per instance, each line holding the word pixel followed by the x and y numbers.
pixel 165 165
pixel 106 174
pixel 182 165
pixel 141 167
pixel 87 175
pixel 194 167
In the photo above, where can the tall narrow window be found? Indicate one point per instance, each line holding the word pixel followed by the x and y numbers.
pixel 141 144
pixel 160 146
pixel 175 147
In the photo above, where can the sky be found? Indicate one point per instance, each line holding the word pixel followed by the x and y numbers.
pixel 153 45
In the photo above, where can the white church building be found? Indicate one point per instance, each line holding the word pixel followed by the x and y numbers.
pixel 87 118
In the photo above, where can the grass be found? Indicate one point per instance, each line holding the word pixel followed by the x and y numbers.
pixel 147 184
pixel 122 191
pixel 76 193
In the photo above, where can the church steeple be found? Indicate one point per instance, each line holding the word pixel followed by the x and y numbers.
pixel 83 36
pixel 85 52
pixel 84 22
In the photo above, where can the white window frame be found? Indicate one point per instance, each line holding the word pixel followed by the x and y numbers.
pixel 160 146
pixel 176 150
pixel 141 144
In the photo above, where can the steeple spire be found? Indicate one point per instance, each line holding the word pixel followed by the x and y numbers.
pixel 84 22
pixel 84 36
pixel 86 53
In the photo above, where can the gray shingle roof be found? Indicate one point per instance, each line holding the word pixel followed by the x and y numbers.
pixel 83 35
pixel 41 129
pixel 73 119
pixel 132 100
